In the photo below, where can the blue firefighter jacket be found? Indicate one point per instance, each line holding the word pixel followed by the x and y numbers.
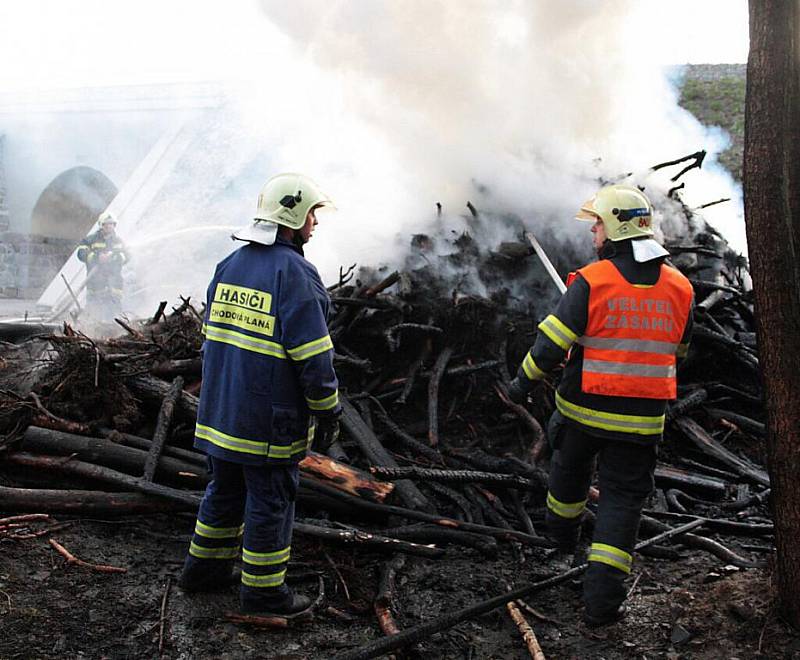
pixel 267 357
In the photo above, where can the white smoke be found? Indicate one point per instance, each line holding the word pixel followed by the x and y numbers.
pixel 519 106
pixel 507 104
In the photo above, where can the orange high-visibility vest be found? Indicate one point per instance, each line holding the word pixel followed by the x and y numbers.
pixel 633 332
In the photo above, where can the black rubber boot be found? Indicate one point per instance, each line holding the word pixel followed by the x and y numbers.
pixel 596 620
pixel 292 606
pixel 198 577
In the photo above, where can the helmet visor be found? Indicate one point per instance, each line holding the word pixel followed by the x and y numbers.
pixel 587 212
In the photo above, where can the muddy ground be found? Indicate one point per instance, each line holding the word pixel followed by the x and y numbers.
pixel 693 608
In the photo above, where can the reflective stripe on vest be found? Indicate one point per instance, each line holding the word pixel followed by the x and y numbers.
pixel 328 403
pixel 629 368
pixel 555 330
pixel 631 345
pixel 243 341
pixel 310 349
pixel 640 424
pixel 232 443
pixel 633 333
pixel 530 368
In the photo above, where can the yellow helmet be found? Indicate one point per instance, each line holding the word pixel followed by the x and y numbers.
pixel 625 211
pixel 286 200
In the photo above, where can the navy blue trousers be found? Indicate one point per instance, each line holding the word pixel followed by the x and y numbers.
pixel 251 507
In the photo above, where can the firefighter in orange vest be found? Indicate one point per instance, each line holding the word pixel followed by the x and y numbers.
pixel 624 320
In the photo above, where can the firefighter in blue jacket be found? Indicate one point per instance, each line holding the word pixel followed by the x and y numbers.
pixel 269 390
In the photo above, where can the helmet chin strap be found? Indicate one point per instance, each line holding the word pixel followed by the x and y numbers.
pixel 298 241
pixel 607 250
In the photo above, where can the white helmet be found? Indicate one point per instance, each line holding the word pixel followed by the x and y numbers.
pixel 285 200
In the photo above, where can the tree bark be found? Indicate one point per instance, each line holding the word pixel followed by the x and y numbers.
pixel 83 502
pixel 772 214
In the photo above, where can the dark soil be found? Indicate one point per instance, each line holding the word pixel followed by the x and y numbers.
pixel 693 608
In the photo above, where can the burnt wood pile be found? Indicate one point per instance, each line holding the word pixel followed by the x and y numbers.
pixel 433 456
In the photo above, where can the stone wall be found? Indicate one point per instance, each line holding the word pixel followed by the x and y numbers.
pixel 28 262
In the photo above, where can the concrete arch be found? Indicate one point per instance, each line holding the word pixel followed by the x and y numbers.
pixel 70 204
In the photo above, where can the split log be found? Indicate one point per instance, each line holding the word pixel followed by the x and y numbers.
pixel 721 389
pixel 104 452
pixel 162 428
pixel 506 464
pixel 389 510
pixel 725 475
pixel 719 525
pixel 484 544
pixel 73 467
pixel 185 367
pixel 83 502
pixel 753 500
pixel 745 424
pixel 347 478
pixel 705 443
pixel 377 455
pixel 376 542
pixel 453 476
pixel 153 391
pixel 670 476
pixel 702 543
pixel 17 333
pixel 193 457
pixel 417 634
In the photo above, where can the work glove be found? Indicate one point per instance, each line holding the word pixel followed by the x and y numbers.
pixel 517 392
pixel 326 433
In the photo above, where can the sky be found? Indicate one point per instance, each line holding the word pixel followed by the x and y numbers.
pixel 47 44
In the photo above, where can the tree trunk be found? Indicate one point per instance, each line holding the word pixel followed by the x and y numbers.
pixel 772 212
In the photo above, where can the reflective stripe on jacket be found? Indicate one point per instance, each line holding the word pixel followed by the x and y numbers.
pixel 267 357
pixel 633 333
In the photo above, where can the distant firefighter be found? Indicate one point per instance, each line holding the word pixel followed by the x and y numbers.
pixel 104 255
